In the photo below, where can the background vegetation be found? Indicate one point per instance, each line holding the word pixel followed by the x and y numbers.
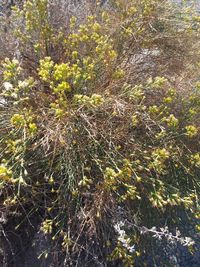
pixel 99 129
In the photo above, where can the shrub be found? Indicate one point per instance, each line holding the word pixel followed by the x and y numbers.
pixel 98 134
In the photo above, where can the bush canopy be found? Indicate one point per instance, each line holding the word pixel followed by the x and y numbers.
pixel 99 128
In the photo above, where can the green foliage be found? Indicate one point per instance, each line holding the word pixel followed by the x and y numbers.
pixel 82 133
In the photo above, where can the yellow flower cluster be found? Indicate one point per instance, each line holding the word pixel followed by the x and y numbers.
pixel 20 121
pixel 94 100
pixel 195 160
pixel 11 69
pixel 172 121
pixel 191 131
pixel 5 173
pixel 47 226
pixel 46 66
pixel 92 34
pixel 159 156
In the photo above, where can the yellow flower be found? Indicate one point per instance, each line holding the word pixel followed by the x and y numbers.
pixel 172 121
pixel 96 27
pixel 153 109
pixel 5 173
pixel 47 226
pixel 112 54
pixel 74 54
pixel 118 74
pixel 132 10
pixel 62 87
pixel 32 128
pixel 72 21
pixel 195 160
pixel 135 120
pixel 96 100
pixel 18 120
pixel 45 68
pixel 191 131
pixel 168 100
